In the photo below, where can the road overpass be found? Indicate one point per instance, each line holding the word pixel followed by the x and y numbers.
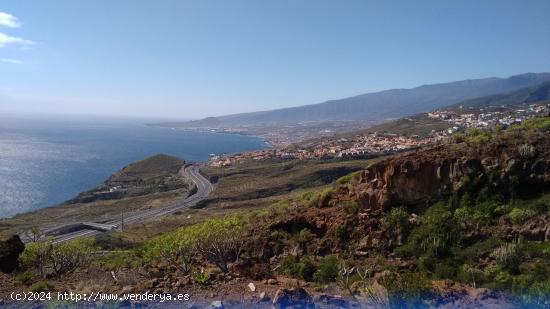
pixel 70 231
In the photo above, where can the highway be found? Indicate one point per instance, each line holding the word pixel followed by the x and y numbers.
pixel 204 187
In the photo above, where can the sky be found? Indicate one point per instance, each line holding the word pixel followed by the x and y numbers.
pixel 191 59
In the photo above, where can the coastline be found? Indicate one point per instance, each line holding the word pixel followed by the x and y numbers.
pixel 99 209
pixel 74 158
pixel 266 141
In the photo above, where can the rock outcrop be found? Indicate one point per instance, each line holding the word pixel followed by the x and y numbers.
pixel 506 164
pixel 292 298
pixel 414 178
pixel 9 254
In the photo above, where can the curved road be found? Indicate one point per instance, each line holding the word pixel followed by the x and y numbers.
pixel 204 187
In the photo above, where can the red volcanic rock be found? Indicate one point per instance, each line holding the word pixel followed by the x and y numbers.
pixel 413 178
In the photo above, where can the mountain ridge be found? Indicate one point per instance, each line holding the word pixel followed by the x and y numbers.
pixel 524 95
pixel 386 104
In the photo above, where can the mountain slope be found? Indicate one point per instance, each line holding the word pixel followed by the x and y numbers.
pixel 524 95
pixel 421 124
pixel 382 105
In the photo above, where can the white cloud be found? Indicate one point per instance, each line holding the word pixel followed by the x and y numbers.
pixel 9 20
pixel 7 40
pixel 11 61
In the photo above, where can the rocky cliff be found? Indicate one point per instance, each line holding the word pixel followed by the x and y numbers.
pixel 415 178
pixel 507 167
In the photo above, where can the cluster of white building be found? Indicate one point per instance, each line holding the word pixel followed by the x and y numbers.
pixel 372 144
pixel 489 119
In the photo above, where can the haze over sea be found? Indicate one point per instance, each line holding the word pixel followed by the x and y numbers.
pixel 45 161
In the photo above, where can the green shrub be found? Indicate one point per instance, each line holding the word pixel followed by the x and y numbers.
pixel 305 236
pixel 307 196
pixel 344 179
pixel 41 286
pixel 466 200
pixel 290 266
pixel 322 198
pixel 396 218
pixel 68 256
pixel 219 241
pixel 406 250
pixel 112 242
pixel 342 231
pixel 406 290
pixel 463 215
pixel 520 215
pixel 216 240
pixel 307 269
pixel 26 277
pixel 540 205
pixel 502 210
pixel 313 201
pixel 436 234
pixel 508 255
pixel 539 124
pixel 174 248
pixel 60 259
pixel 458 138
pixel 201 277
pixel 479 249
pixel 477 136
pixel 327 271
pixel 296 268
pixel 350 207
pixel 350 178
pixel 280 235
pixel 503 280
pixel 117 260
pixel 445 270
pixel 37 256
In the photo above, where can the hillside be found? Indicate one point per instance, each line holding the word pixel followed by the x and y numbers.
pixel 146 170
pixel 159 173
pixel 421 124
pixel 461 225
pixel 379 105
pixel 521 96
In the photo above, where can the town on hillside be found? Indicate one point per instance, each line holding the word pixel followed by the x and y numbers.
pixel 374 144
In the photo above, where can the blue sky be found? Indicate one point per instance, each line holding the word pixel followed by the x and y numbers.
pixel 188 59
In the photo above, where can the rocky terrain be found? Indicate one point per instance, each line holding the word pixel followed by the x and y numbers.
pixel 412 179
pixel 10 250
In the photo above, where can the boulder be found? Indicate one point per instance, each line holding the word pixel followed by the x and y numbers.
pixel 292 298
pixel 9 254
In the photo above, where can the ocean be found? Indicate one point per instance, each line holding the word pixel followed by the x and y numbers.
pixel 45 161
